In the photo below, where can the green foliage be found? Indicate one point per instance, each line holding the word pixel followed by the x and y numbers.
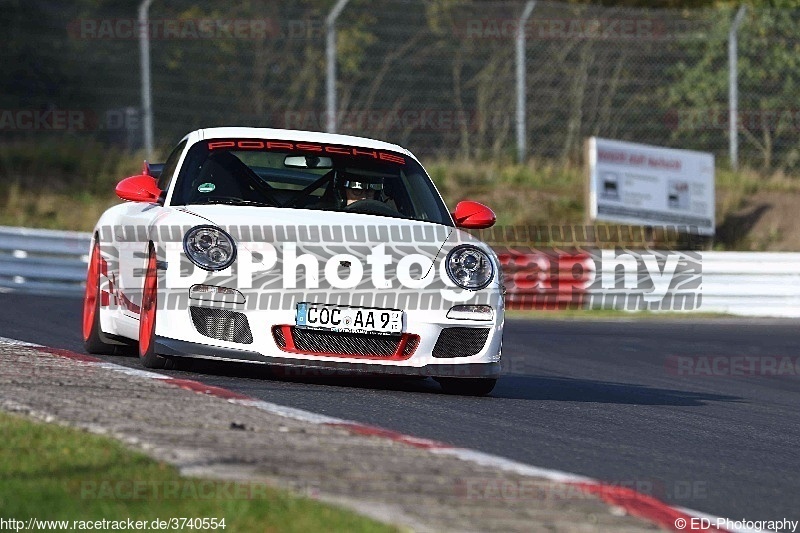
pixel 398 58
pixel 70 164
pixel 51 472
pixel 768 81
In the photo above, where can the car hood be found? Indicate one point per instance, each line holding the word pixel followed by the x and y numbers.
pixel 225 215
pixel 333 235
pixel 325 234
pixel 273 224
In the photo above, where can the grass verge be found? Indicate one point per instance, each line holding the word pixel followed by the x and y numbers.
pixel 68 182
pixel 55 473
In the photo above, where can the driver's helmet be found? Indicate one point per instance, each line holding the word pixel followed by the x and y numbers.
pixel 362 183
pixel 360 187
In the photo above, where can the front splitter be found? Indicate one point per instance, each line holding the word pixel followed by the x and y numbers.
pixel 178 348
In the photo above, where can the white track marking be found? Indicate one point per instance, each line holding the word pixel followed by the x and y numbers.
pixel 15 342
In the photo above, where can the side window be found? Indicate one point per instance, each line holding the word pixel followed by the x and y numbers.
pixel 169 167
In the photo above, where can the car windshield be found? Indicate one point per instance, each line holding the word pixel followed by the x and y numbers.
pixel 295 175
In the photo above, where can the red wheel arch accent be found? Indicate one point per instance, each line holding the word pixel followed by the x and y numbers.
pixel 92 291
pixel 147 316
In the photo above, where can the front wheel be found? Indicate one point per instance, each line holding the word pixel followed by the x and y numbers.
pixel 92 332
pixel 147 315
pixel 467 386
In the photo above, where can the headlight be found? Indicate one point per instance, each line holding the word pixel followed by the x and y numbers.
pixel 469 267
pixel 209 247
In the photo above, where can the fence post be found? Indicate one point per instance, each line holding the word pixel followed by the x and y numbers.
pixel 147 95
pixel 733 89
pixel 330 53
pixel 521 89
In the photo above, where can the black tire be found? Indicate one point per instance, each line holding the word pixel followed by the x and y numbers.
pixel 467 386
pixel 93 336
pixel 178 363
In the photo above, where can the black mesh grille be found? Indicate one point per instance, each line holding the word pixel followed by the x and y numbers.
pixel 279 339
pixel 344 343
pixel 460 342
pixel 330 342
pixel 221 324
pixel 411 345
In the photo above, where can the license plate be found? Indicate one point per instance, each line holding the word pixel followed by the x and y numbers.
pixel 350 319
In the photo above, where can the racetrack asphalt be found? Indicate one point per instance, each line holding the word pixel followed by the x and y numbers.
pixel 600 398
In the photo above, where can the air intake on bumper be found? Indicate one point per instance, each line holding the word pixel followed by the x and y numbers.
pixel 342 344
pixel 460 342
pixel 221 324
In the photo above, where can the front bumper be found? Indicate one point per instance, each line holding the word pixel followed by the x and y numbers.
pixel 178 348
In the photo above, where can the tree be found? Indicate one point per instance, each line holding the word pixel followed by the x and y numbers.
pixel 769 77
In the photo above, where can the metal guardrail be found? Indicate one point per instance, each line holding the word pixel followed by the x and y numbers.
pixel 43 261
pixel 751 283
pixel 741 283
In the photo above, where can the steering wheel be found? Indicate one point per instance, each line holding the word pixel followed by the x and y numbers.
pixel 371 207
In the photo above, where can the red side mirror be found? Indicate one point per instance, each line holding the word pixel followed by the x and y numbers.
pixel 473 215
pixel 142 188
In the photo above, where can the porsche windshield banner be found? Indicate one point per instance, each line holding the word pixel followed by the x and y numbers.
pixel 308 148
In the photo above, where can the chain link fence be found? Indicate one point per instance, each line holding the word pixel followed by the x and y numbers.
pixel 437 76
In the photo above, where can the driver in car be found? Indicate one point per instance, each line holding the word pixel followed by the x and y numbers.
pixel 358 188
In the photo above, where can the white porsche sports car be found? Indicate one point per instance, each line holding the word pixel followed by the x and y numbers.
pixel 306 251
